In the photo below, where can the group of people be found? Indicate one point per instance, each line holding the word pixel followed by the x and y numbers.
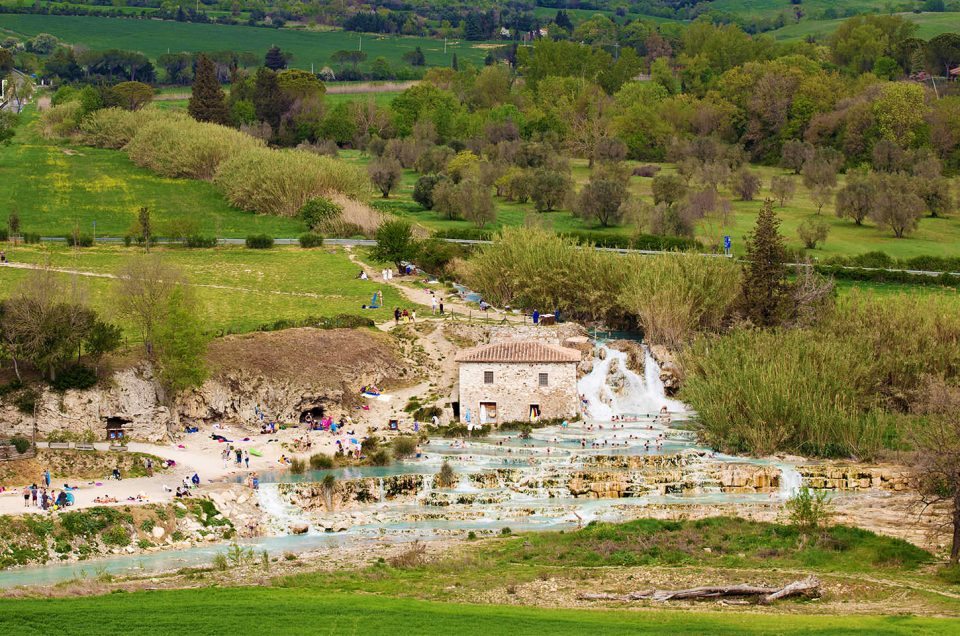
pixel 46 498
pixel 237 455
pixel 404 316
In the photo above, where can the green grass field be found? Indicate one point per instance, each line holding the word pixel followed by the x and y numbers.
pixel 239 288
pixel 154 37
pixel 319 611
pixel 928 26
pixel 56 187
pixel 509 585
pixel 935 236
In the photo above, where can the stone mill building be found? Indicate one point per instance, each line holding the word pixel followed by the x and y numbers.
pixel 517 381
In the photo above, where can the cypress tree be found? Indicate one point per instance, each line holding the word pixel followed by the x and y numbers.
pixel 207 103
pixel 454 64
pixel 274 60
pixel 765 294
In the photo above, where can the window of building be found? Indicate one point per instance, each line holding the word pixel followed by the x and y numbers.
pixel 544 379
pixel 488 377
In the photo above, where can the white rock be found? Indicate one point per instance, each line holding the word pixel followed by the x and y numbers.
pixel 158 532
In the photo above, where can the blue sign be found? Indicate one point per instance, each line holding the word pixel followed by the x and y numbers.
pixel 726 242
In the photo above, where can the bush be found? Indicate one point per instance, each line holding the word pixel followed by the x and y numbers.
pixel 379 457
pixel 76 376
pixel 79 240
pixel 26 400
pixel 115 127
pixel 117 536
pixel 809 511
pixel 31 237
pixel 4 234
pixel 259 242
pixel 403 446
pixel 22 444
pixel 182 147
pixel 447 477
pixel 281 181
pixel 311 239
pixel 423 190
pixel 61 120
pixel 648 170
pixel 320 461
pixel 318 212
pixel 466 234
pixel 199 241
pixel 298 466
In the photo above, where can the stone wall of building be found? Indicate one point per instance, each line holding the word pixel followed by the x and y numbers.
pixel 516 386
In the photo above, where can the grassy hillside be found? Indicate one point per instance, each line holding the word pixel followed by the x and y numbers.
pixel 239 288
pixel 56 187
pixel 929 25
pixel 154 37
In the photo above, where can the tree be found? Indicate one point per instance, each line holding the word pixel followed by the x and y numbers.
pixel 18 90
pixel 888 156
pixel 8 126
pixel 821 196
pixel 795 154
pixel 415 57
pixel 548 189
pixel 275 59
pixel 423 190
pixel 319 212
pixel 813 231
pixel 385 172
pixel 44 322
pixel 668 188
pixel 349 57
pixel 132 95
pixel 269 102
pixel 476 202
pixel 207 101
pixel 783 188
pixel 895 205
pixel 102 339
pixel 936 195
pixel 144 228
pixel 144 286
pixel 13 224
pixel 745 184
pixel 601 200
pixel 181 346
pixel 855 199
pixel 936 460
pixel 764 293
pixel 395 243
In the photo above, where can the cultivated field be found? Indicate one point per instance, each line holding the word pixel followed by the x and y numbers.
pixel 154 37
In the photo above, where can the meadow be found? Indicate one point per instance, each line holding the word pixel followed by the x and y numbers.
pixel 240 289
pixel 155 37
pixel 935 236
pixel 928 26
pixel 500 586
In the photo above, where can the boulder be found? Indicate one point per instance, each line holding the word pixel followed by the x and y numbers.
pixel 299 528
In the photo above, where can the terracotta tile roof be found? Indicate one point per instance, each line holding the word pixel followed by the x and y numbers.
pixel 519 351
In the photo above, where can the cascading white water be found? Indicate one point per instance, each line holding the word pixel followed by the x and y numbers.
pixel 611 388
pixel 790 481
pixel 282 514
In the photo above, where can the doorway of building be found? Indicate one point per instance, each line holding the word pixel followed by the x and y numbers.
pixel 488 413
pixel 534 412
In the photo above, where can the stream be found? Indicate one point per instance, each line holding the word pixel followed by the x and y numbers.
pixel 504 480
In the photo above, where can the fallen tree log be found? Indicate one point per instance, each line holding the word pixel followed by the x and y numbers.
pixel 805 587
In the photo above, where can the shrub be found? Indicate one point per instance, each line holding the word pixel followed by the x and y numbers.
pixel 259 242
pixel 22 444
pixel 423 190
pixel 447 477
pixel 812 232
pixel 26 400
pixel 403 446
pixel 220 562
pixel 311 239
pixel 61 120
pixel 281 181
pixel 298 466
pixel 115 127
pixel 76 376
pixel 4 234
pixel 320 461
pixel 182 147
pixel 648 170
pixel 31 237
pixel 199 241
pixel 79 240
pixel 809 510
pixel 117 536
pixel 319 212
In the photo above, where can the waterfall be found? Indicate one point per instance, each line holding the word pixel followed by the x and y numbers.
pixel 790 481
pixel 282 514
pixel 611 388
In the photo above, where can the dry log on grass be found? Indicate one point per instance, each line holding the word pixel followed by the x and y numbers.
pixel 805 587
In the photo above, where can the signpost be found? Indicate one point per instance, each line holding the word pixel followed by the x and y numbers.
pixel 726 245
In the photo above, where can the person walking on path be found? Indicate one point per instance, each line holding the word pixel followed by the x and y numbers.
pixel 246 458
pixel 441 307
pixel 396 315
pixel 433 304
pixel 46 477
